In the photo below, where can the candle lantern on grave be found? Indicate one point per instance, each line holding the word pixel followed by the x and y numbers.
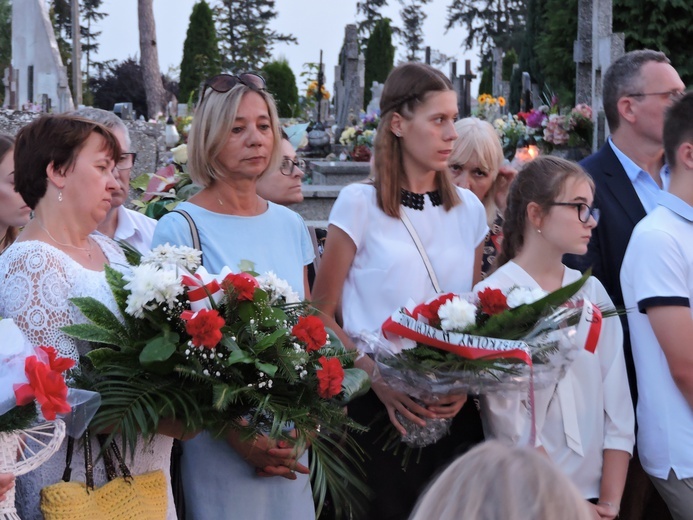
pixel 317 137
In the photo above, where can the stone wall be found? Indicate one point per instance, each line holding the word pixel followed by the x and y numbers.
pixel 147 138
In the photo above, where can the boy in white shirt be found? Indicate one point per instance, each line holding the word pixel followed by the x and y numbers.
pixel 657 282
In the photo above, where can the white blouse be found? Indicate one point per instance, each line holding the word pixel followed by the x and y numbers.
pixel 387 271
pixel 588 411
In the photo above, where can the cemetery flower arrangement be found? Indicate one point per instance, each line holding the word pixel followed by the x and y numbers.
pixel 510 129
pixel 489 107
pixel 572 129
pixel 164 190
pixel 369 121
pixel 481 343
pixel 234 350
pixel 312 90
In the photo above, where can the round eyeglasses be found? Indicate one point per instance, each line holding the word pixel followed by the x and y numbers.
pixel 287 166
pixel 585 211
pixel 126 161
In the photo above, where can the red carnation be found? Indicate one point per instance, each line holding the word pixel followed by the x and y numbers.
pixel 430 310
pixel 311 331
pixel 46 386
pixel 330 377
pixel 59 364
pixel 205 328
pixel 243 284
pixel 492 301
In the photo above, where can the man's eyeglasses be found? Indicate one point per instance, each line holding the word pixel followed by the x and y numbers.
pixel 287 166
pixel 126 161
pixel 584 210
pixel 222 83
pixel 673 95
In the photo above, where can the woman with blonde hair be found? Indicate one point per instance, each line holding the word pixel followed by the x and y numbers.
pixel 14 212
pixel 408 234
pixel 476 163
pixel 497 482
pixel 235 139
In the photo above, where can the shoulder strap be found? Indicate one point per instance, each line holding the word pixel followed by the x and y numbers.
pixel 193 231
pixel 316 248
pixel 417 242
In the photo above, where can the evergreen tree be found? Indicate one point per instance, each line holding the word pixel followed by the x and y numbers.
pixel 90 14
pixel 413 18
pixel 509 59
pixel 515 91
pixel 281 83
pixel 529 61
pixel 370 9
pixel 5 40
pixel 379 58
pixel 554 48
pixel 486 82
pixel 245 38
pixel 663 25
pixel 201 57
pixel 489 23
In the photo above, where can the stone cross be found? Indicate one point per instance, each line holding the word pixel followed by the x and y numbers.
pixel 349 78
pixel 596 48
pixel 463 85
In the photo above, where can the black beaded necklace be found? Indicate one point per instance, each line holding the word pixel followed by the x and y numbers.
pixel 416 200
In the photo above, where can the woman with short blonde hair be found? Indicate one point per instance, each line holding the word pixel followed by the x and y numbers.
pixel 497 482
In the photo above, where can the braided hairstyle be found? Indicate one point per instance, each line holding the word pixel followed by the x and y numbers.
pixel 540 181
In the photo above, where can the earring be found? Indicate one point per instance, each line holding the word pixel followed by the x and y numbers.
pixel 398 134
pixel 539 231
pixel 60 196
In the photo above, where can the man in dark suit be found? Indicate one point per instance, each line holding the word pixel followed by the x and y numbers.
pixel 629 172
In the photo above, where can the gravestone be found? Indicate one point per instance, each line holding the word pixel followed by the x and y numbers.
pixel 36 58
pixel 596 48
pixel 463 86
pixel 497 72
pixel 349 78
pixel 374 104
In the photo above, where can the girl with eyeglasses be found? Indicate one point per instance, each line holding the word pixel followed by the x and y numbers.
pixel 585 423
pixel 234 140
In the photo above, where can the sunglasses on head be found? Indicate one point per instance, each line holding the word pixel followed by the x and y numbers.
pixel 222 83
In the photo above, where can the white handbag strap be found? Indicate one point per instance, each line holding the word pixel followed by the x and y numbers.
pixel 417 242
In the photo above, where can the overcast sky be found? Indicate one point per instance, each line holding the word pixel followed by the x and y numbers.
pixel 316 24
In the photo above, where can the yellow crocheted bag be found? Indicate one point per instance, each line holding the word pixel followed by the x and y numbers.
pixel 142 497
pixel 138 497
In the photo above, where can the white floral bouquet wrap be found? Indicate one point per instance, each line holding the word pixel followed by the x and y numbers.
pixel 481 343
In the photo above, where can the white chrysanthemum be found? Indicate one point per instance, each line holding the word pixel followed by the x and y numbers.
pixel 524 295
pixel 457 314
pixel 277 288
pixel 150 286
pixel 166 254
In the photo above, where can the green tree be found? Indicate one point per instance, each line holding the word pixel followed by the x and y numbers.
pixel 379 58
pixel 663 25
pixel 489 23
pixel 370 9
pixel 413 17
pixel 281 83
pixel 554 48
pixel 5 40
pixel 486 82
pixel 529 61
pixel 245 37
pixel 123 82
pixel 509 59
pixel 201 57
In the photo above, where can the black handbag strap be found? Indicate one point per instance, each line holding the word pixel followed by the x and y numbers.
pixel 111 473
pixel 193 231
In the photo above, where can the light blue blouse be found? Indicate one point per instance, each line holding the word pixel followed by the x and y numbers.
pixel 218 483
